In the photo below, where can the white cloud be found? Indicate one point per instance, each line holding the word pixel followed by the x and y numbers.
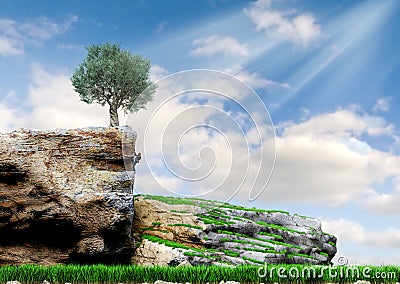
pixel 218 45
pixel 44 28
pixel 324 159
pixel 51 103
pixel 386 203
pixel 10 47
pixel 15 35
pixel 253 79
pixel 382 105
pixel 157 72
pixel 196 135
pixel 354 239
pixel 283 25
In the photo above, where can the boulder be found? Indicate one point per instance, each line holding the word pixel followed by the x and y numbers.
pixel 65 196
pixel 218 233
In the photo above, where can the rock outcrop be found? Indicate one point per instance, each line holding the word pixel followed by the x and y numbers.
pixel 65 196
pixel 202 232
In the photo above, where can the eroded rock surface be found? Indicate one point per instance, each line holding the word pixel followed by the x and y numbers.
pixel 219 233
pixel 65 196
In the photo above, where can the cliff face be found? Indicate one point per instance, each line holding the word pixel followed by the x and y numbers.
pixel 65 196
pixel 176 231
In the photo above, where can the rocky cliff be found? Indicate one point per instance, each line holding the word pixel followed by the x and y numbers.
pixel 179 231
pixel 65 196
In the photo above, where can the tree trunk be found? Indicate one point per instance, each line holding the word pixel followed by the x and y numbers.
pixel 114 121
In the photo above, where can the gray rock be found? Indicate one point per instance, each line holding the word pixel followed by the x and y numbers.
pixel 72 183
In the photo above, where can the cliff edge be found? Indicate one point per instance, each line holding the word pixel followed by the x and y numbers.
pixel 65 196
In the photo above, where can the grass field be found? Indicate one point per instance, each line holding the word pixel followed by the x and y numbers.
pixel 199 274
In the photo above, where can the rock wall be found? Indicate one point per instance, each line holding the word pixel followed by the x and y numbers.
pixel 65 196
pixel 219 233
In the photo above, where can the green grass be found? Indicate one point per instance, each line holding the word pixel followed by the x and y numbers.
pixel 187 225
pixel 270 235
pixel 156 224
pixel 332 244
pixel 253 260
pixel 225 232
pixel 242 208
pixel 179 211
pixel 266 250
pixel 253 244
pixel 279 228
pixel 193 274
pixel 189 253
pixel 241 235
pixel 283 244
pixel 225 240
pixel 147 229
pixel 206 203
pixel 300 254
pixel 168 243
pixel 231 253
pixel 303 216
pixel 211 220
pixel 324 254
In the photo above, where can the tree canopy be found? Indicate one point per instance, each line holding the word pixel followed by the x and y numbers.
pixel 110 75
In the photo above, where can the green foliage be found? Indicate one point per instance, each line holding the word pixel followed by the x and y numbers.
pixel 253 260
pixel 147 229
pixel 179 211
pixel 168 243
pixel 304 217
pixel 189 253
pixel 253 209
pixel 283 244
pixel 110 75
pixel 332 244
pixel 211 220
pixel 225 232
pixel 231 253
pixel 171 200
pixel 280 228
pixel 187 225
pixel 225 239
pixel 241 235
pixel 156 224
pixel 270 235
pixel 324 254
pixel 269 247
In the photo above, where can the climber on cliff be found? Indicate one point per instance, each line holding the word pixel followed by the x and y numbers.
pixel 136 159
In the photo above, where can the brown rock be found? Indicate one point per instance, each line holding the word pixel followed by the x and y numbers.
pixel 65 196
pixel 150 253
pixel 148 212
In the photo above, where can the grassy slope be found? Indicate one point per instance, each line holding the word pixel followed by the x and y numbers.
pixel 217 215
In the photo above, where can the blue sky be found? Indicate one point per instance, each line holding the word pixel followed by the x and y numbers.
pixel 326 70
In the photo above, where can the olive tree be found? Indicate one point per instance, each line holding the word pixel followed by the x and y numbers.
pixel 110 75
